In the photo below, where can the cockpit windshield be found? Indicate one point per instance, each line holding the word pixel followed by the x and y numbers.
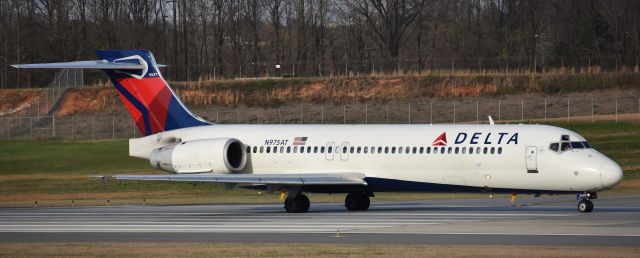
pixel 566 145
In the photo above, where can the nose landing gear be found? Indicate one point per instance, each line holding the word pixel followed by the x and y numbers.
pixel 584 202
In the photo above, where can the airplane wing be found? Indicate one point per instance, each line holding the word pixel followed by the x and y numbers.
pixel 260 179
pixel 94 64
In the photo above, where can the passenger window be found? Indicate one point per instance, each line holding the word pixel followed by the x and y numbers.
pixel 255 149
pixel 393 150
pixel 281 149
pixel 295 149
pixel 428 150
pixel 261 149
pixel 288 149
pixel 380 150
pixel 322 149
pixel 464 150
pixel 248 149
pixel 366 150
pixel 477 150
pixel 352 149
pixel 301 149
pixel 493 150
pixel 442 150
pixel 407 150
pixel 421 150
pixel 386 150
pixel 359 149
pixel 564 146
pixel 457 150
pixel 449 150
pixel 344 149
pixel 415 150
pixel 554 146
pixel 309 149
pixel 485 150
pixel 400 150
pixel 330 149
pixel 435 150
pixel 470 150
pixel 499 150
pixel 275 149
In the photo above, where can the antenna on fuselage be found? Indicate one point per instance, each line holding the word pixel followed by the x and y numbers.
pixel 491 121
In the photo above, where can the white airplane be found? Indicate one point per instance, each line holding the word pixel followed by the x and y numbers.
pixel 358 160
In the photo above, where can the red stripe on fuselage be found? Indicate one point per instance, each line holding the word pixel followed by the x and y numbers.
pixel 154 95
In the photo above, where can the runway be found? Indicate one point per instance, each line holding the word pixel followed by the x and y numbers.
pixel 615 221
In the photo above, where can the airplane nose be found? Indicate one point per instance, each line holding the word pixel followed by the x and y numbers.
pixel 611 174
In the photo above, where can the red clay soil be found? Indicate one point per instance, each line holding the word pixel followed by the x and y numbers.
pixel 90 101
pixel 13 99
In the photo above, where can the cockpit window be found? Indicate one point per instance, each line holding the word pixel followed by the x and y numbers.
pixel 577 145
pixel 564 146
pixel 586 145
pixel 554 146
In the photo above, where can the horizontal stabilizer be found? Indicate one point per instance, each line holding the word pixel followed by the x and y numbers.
pixel 262 179
pixel 94 64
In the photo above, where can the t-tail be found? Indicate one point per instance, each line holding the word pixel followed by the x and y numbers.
pixel 153 105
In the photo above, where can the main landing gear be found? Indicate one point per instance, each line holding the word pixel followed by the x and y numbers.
pixel 357 201
pixel 297 203
pixel 584 202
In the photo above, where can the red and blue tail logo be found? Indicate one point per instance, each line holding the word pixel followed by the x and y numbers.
pixel 153 105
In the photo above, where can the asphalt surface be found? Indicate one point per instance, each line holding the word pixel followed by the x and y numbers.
pixel 615 221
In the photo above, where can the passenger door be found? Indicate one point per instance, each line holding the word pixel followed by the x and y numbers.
pixel 531 159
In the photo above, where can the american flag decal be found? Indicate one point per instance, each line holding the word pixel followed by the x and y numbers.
pixel 300 140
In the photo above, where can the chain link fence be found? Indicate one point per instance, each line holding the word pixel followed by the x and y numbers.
pixel 469 111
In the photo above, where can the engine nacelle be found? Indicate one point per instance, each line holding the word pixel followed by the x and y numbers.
pixel 220 155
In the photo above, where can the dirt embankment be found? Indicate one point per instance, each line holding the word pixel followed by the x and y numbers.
pixel 13 101
pixel 341 90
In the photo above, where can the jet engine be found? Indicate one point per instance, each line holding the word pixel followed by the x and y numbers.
pixel 219 155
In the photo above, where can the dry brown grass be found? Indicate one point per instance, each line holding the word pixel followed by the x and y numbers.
pixel 300 250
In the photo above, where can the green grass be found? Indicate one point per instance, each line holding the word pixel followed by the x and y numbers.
pixel 57 171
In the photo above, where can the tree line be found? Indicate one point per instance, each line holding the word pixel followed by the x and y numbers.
pixel 251 38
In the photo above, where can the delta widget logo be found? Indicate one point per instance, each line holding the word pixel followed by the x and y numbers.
pixel 441 140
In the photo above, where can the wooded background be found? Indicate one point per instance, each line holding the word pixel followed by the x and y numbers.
pixel 205 39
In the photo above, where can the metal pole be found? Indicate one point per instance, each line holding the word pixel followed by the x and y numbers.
pixel 431 112
pixel 409 113
pixel 53 117
pixel 344 114
pixel 522 110
pixel 477 112
pixel 72 127
pixel 366 114
pixel 387 113
pixel 38 111
pixel 591 110
pixel 616 110
pixel 322 113
pixel 113 127
pixel 217 117
pixel 31 127
pixel 568 108
pixel 279 117
pixel 258 116
pixel 300 113
pixel 454 112
pixel 93 127
pixel 499 112
pixel 238 116
pixel 545 110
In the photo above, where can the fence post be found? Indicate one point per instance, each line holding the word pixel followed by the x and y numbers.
pixel 545 109
pixel 344 114
pixel 454 112
pixel 238 116
pixel 72 127
pixel 409 113
pixel 387 112
pixel 499 112
pixel 93 127
pixel 616 110
pixel 217 117
pixel 279 116
pixel 568 108
pixel 38 111
pixel 300 113
pixel 521 109
pixel 31 127
pixel 258 115
pixel 366 114
pixel 431 112
pixel 477 112
pixel 113 127
pixel 592 110
pixel 322 114
pixel 53 117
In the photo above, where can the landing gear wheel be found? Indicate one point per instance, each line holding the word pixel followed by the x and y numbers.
pixel 297 204
pixel 585 206
pixel 357 201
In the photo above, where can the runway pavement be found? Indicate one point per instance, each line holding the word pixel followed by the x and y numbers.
pixel 615 221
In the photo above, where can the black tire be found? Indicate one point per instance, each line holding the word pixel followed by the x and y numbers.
pixel 585 206
pixel 297 204
pixel 357 201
